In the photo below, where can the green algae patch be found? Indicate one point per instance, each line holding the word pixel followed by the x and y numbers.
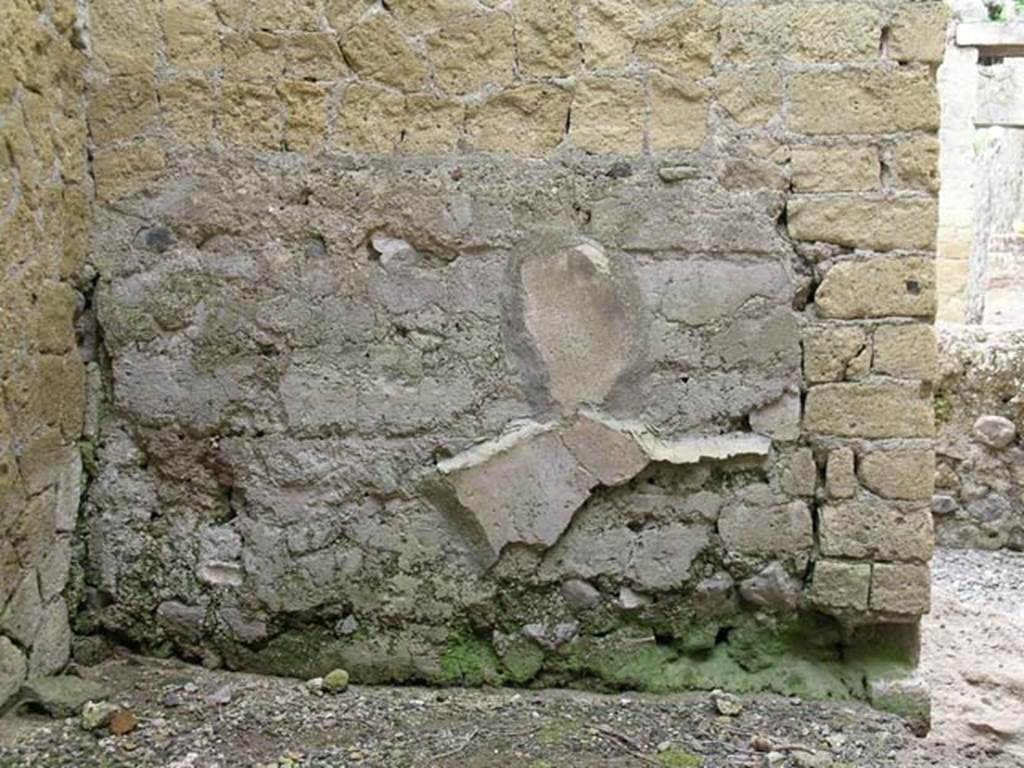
pixel 674 758
pixel 523 661
pixel 471 661
pixel 304 654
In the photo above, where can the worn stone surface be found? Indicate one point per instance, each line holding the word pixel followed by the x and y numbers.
pixel 45 192
pixel 878 287
pixel 863 222
pixel 918 32
pixel 877 530
pixel 840 586
pixel 905 351
pixel 467 342
pixel 63 696
pixel 899 474
pixel 835 353
pixel 869 410
pixel 840 478
pixel 836 169
pixel 874 100
pixel 901 589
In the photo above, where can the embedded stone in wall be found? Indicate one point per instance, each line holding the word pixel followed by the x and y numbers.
pixel 836 169
pixel 800 32
pixel 880 100
pixel 761 530
pixel 918 32
pixel 865 529
pixel 613 457
pixel 899 474
pixel 861 222
pixel 523 488
pixel 580 314
pixel 13 669
pixel 901 588
pixel 906 351
pixel 995 431
pixel 840 479
pixel 835 353
pixel 878 288
pixel 841 586
pixel 869 410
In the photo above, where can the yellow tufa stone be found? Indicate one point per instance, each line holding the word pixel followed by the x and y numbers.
pixel 835 353
pixel 878 100
pixel 187 107
pixel 472 52
pixel 124 170
pixel 123 107
pixel 608 115
pixel 306 124
pixel 879 287
pixel 126 36
pixel 871 223
pixel 253 56
pixel 538 112
pixel 915 163
pixel 432 124
pixel 545 38
pixel 369 119
pixel 193 39
pixel 826 32
pixel 836 169
pixel 876 530
pixel 682 44
pixel 750 96
pixel 903 589
pixel 251 116
pixel 342 14
pixel 840 476
pixel 841 586
pixel 679 113
pixel 908 474
pixel 906 351
pixel 377 48
pixel 918 32
pixel 314 56
pixel 869 410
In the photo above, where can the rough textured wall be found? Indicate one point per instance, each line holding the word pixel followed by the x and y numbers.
pixel 979 501
pixel 527 341
pixel 43 244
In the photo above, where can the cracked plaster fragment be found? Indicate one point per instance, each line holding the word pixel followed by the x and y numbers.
pixel 694 449
pixel 525 486
pixel 612 456
pixel 522 488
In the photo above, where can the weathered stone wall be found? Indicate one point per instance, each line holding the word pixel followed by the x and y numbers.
pixel 43 245
pixel 527 341
pixel 979 500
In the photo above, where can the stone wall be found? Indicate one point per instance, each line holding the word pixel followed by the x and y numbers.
pixel 43 244
pixel 979 501
pixel 535 342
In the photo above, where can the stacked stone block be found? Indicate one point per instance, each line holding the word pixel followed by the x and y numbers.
pixel 44 192
pixel 516 341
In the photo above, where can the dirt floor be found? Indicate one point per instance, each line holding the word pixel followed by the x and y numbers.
pixel 190 717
